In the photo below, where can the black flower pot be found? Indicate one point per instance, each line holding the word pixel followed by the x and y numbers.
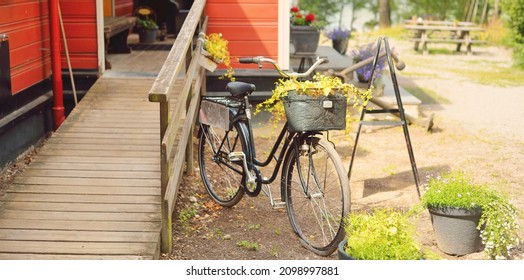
pixel 340 45
pixel 304 39
pixel 456 230
pixel 342 255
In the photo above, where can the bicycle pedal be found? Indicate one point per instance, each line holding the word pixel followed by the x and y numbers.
pixel 236 156
pixel 279 205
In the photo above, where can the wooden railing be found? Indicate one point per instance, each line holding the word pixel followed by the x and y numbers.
pixel 176 124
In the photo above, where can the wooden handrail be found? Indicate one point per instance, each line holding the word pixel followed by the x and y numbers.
pixel 176 124
pixel 175 60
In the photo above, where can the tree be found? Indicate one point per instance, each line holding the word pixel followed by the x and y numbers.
pixel 515 11
pixel 320 8
pixel 384 13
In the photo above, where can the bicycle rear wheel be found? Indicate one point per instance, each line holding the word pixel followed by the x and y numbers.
pixel 317 196
pixel 222 177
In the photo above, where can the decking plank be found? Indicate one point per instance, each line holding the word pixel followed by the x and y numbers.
pixel 20 256
pixel 79 207
pixel 140 226
pixel 79 216
pixel 79 236
pixel 51 165
pixel 93 248
pixel 69 189
pixel 82 198
pixel 92 174
pixel 21 179
pixel 95 159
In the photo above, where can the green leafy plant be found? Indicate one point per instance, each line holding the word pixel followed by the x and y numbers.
pixel 216 48
pixel 146 24
pixel 185 215
pixel 300 17
pixel 498 225
pixel 252 246
pixel 385 234
pixel 321 85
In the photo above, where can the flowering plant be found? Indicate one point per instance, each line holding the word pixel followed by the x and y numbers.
pixel 364 73
pixel 498 224
pixel 385 234
pixel 320 85
pixel 339 33
pixel 299 17
pixel 217 49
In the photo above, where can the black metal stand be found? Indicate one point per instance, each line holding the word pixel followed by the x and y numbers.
pixel 399 111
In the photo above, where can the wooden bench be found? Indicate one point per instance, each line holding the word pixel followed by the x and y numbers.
pixel 116 30
pixel 454 34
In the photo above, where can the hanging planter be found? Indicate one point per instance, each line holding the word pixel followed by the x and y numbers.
pixel 215 51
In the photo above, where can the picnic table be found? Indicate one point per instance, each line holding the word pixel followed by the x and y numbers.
pixel 459 33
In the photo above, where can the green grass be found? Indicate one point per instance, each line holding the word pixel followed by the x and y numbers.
pixel 498 76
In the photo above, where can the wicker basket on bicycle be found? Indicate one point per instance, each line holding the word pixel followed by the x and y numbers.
pixel 307 113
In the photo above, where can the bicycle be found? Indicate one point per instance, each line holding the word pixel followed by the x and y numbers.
pixel 314 186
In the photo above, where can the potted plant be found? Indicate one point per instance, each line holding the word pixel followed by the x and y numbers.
pixel 147 30
pixel 339 38
pixel 364 73
pixel 317 104
pixel 460 207
pixel 384 234
pixel 215 50
pixel 304 31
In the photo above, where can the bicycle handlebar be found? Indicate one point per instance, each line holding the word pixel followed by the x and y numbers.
pixel 260 60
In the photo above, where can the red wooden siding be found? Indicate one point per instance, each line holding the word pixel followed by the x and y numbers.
pixel 124 7
pixel 251 26
pixel 26 24
pixel 79 18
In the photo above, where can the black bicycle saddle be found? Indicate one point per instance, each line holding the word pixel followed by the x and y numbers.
pixel 240 89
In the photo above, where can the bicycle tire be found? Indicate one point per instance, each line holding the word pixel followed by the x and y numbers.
pixel 317 194
pixel 222 178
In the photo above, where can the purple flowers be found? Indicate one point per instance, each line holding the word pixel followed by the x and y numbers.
pixel 339 33
pixel 364 73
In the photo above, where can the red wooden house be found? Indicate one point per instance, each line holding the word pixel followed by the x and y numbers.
pixel 30 95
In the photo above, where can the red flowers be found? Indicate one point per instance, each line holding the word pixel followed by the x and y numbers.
pixel 310 17
pixel 299 17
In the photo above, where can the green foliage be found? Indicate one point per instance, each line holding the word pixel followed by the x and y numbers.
pixel 498 224
pixel 320 85
pixel 254 227
pixel 252 246
pixel 320 8
pixel 515 11
pixel 146 24
pixel 217 47
pixel 437 10
pixel 454 190
pixel 384 235
pixel 185 215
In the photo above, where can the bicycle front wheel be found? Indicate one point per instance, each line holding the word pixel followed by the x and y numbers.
pixel 222 177
pixel 317 196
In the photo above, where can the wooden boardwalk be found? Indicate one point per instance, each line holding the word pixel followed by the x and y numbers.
pixel 93 190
